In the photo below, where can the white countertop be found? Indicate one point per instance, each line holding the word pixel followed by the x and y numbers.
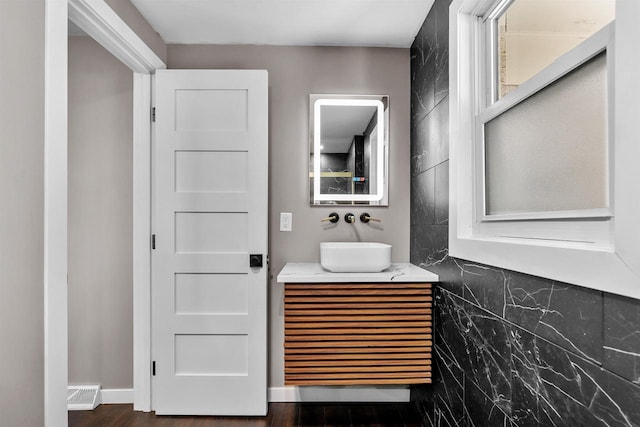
pixel 314 273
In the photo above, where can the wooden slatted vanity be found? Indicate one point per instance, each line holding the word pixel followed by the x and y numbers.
pixel 357 328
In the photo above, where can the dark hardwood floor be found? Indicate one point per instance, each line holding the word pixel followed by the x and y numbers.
pixel 280 415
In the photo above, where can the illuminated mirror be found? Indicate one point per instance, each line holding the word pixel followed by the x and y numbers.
pixel 348 145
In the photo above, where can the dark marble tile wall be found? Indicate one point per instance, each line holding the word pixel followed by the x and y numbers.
pixel 510 349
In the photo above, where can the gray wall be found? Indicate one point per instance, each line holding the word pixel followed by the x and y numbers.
pixel 511 349
pixel 22 213
pixel 294 73
pixel 134 19
pixel 100 217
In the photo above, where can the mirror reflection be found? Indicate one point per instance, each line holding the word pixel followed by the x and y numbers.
pixel 348 149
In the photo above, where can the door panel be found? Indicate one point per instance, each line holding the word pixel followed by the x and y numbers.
pixel 212 293
pixel 209 232
pixel 213 110
pixel 212 171
pixel 212 354
pixel 209 213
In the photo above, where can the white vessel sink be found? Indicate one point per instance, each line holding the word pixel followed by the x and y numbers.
pixel 355 257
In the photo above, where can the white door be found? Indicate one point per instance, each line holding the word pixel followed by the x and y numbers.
pixel 209 307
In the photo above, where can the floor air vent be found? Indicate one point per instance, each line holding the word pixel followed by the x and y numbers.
pixel 83 398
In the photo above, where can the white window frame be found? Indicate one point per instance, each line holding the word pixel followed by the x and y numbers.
pixel 594 228
pixel 603 251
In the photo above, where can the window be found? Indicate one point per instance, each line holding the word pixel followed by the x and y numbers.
pixel 528 35
pixel 545 145
pixel 547 156
pixel 537 178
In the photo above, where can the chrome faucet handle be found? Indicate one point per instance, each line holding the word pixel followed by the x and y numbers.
pixel 366 218
pixel 350 218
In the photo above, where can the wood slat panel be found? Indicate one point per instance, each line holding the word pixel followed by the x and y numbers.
pixel 358 333
pixel 362 351
pixel 360 381
pixel 359 318
pixel 363 357
pixel 407 343
pixel 383 299
pixel 370 375
pixel 323 311
pixel 360 362
pixel 332 292
pixel 357 286
pixel 328 382
pixel 291 324
pixel 363 371
pixel 384 339
pixel 379 332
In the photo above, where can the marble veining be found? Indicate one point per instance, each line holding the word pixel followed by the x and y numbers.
pixel 422 206
pixel 447 268
pixel 478 343
pixel 423 71
pixel 430 139
pixel 622 337
pixel 484 286
pixel 561 383
pixel 427 241
pixel 563 314
pixel 442 193
pixel 509 349
pixel 510 375
pixel 443 403
pixel 441 11
pixel 480 411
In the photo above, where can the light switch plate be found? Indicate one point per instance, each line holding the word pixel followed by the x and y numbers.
pixel 286 221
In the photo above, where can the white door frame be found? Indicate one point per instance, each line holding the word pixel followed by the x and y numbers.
pixel 99 21
pixel 55 213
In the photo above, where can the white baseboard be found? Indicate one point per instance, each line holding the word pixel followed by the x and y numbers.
pixel 117 395
pixel 338 394
pixel 296 394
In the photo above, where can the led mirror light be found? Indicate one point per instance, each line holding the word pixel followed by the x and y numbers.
pixel 380 159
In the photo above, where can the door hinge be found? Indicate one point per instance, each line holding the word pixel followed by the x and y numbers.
pixel 153 114
pixel 153 241
pixel 153 368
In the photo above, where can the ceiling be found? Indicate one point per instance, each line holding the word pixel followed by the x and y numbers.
pixel 386 23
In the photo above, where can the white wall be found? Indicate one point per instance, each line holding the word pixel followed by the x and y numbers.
pixel 100 323
pixel 294 73
pixel 22 212
pixel 100 217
